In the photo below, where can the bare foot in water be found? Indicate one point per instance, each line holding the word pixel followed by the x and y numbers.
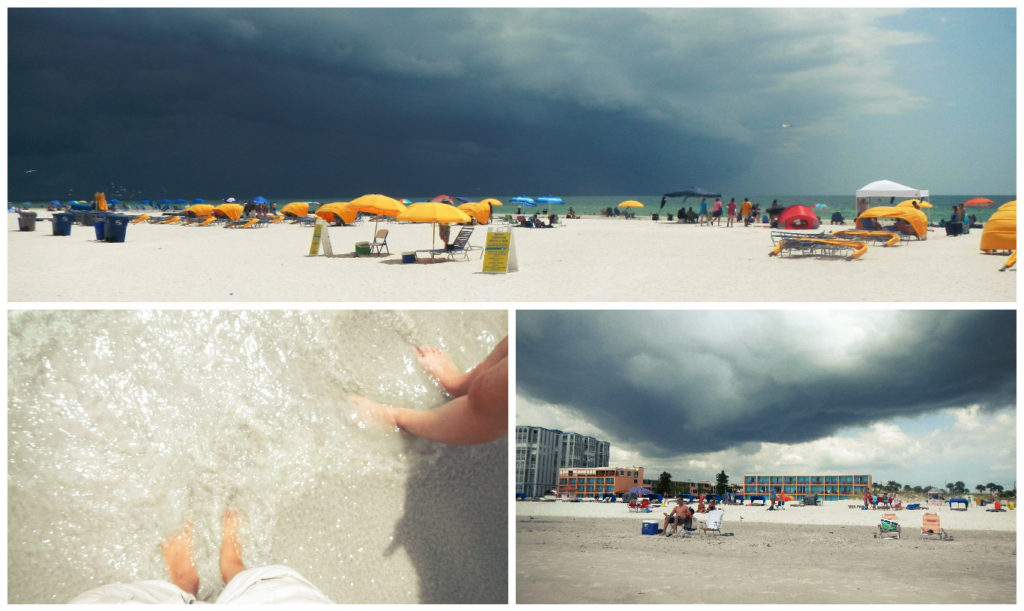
pixel 439 366
pixel 372 414
pixel 230 548
pixel 179 556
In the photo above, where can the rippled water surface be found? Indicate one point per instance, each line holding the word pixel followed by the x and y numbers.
pixel 122 422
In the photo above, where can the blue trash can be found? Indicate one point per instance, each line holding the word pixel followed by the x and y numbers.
pixel 100 227
pixel 62 223
pixel 116 227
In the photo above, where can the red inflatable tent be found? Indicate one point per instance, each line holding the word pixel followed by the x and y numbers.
pixel 798 217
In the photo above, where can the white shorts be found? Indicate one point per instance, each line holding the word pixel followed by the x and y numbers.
pixel 269 584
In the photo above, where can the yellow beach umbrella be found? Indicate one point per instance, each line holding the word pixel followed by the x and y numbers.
pixel 478 210
pixel 1000 230
pixel 377 204
pixel 433 212
pixel 631 203
pixel 199 210
pixel 338 210
pixel 491 201
pixel 296 209
pixel 229 211
pixel 922 204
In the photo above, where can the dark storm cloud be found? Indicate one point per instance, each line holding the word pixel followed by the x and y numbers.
pixel 314 102
pixel 692 381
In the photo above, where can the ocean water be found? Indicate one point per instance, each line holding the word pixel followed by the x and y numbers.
pixel 824 205
pixel 122 422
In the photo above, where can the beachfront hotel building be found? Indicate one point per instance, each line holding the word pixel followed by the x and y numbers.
pixel 596 482
pixel 827 487
pixel 540 452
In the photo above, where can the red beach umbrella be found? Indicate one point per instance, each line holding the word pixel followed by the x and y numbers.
pixel 979 202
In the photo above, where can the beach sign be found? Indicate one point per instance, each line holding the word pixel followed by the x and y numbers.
pixel 500 251
pixel 320 236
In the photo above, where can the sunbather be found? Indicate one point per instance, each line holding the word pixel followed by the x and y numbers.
pixel 680 513
pixel 477 413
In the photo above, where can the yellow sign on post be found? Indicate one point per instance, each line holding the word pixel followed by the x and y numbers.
pixel 320 236
pixel 500 251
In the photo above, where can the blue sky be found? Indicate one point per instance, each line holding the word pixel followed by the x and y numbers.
pixel 482 101
pixel 920 397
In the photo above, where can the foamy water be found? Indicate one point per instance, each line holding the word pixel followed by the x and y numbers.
pixel 122 422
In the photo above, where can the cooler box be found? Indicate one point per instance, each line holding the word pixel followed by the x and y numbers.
pixel 649 527
pixel 362 248
pixel 408 257
pixel 116 227
pixel 62 223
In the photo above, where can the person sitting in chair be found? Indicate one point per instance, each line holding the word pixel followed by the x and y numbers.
pixel 680 514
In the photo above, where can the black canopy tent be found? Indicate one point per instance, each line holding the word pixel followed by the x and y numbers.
pixel 691 192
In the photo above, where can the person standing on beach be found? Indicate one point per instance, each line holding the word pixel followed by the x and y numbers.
pixel 745 211
pixel 477 412
pixel 732 212
pixel 704 213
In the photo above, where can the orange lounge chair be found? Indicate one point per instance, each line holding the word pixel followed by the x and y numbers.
pixel 1010 262
pixel 930 527
pixel 889 527
pixel 888 238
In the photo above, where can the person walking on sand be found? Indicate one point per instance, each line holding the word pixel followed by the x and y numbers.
pixel 703 218
pixel 269 584
pixel 732 212
pixel 477 412
pixel 716 213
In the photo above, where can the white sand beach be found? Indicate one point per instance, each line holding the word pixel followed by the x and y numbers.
pixel 590 259
pixel 595 553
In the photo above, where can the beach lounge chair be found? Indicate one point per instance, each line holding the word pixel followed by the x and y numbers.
pixel 820 247
pixel 461 244
pixel 930 527
pixel 380 242
pixel 889 527
pixel 714 522
pixel 886 238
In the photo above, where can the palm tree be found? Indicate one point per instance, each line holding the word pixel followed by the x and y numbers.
pixel 980 488
pixel 892 485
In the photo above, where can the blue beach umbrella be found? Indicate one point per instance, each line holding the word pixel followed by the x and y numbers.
pixel 146 201
pixel 198 200
pixel 523 201
pixel 180 201
pixel 54 202
pixel 115 201
pixel 165 201
pixel 259 199
pixel 550 199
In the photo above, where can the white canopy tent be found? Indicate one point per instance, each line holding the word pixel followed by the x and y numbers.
pixel 886 188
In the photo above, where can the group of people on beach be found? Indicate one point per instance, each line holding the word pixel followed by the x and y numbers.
pixel 683 514
pixel 747 211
